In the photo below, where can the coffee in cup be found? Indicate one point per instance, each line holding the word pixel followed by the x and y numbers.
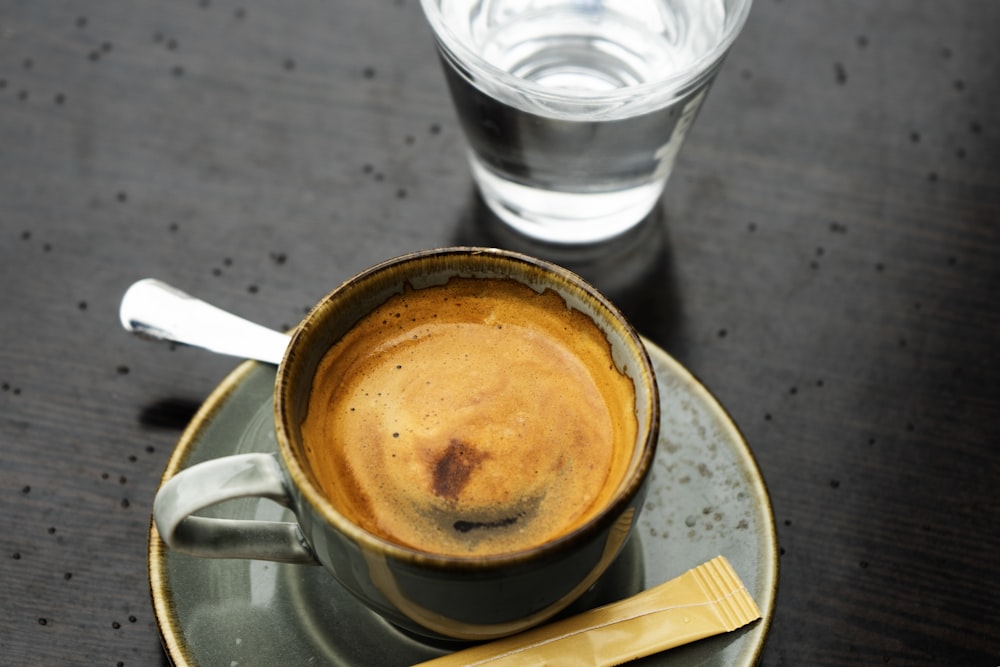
pixel 474 418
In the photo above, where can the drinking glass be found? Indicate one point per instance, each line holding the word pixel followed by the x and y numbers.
pixel 575 110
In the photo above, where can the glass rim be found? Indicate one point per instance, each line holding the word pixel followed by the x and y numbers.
pixel 669 87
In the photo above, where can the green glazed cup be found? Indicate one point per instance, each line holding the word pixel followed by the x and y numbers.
pixel 437 596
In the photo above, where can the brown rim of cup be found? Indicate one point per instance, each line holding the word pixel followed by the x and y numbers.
pixel 442 258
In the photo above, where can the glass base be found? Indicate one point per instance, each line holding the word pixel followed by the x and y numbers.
pixel 565 217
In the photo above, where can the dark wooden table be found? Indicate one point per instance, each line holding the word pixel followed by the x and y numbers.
pixel 826 260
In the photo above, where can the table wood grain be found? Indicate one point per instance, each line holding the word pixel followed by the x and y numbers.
pixel 826 260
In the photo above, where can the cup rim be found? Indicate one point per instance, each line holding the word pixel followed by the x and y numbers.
pixel 678 82
pixel 604 518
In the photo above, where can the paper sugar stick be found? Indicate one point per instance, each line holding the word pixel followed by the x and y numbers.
pixel 705 601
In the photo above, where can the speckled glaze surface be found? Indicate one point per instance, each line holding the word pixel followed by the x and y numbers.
pixel 465 598
pixel 706 497
pixel 438 595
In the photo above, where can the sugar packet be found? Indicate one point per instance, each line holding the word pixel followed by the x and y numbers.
pixel 705 601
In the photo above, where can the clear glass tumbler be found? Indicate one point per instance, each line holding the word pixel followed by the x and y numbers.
pixel 574 110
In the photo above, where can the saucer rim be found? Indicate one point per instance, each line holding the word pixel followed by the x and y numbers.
pixel 179 653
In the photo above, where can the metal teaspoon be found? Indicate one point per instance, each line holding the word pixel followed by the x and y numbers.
pixel 155 310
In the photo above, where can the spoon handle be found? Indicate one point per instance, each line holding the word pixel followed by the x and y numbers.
pixel 153 309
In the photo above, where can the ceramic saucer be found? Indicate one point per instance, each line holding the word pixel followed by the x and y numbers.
pixel 706 498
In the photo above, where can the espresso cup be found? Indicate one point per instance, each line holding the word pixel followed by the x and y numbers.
pixel 464 439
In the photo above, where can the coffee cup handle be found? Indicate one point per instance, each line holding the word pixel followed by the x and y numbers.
pixel 227 478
